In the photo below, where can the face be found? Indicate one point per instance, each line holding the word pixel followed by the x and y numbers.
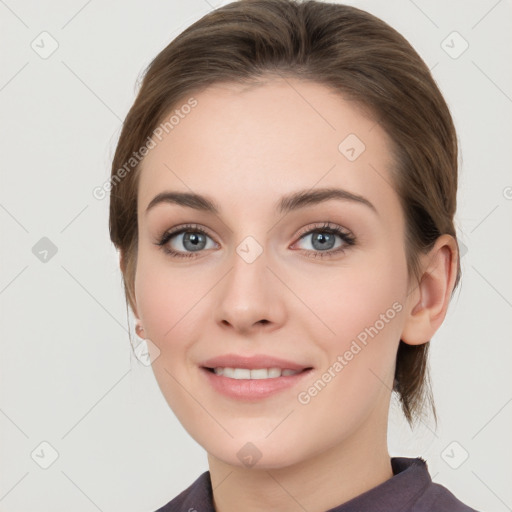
pixel 318 281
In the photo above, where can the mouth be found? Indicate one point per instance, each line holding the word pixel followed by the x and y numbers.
pixel 254 373
pixel 253 384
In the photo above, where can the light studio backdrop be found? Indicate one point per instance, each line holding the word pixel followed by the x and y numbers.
pixel 83 424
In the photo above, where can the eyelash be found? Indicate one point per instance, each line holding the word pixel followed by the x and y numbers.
pixel 326 227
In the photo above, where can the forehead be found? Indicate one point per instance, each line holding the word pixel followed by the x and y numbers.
pixel 266 140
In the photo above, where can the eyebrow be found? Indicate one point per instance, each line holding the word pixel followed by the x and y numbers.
pixel 288 203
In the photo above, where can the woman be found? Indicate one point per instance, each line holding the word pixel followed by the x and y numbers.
pixel 283 194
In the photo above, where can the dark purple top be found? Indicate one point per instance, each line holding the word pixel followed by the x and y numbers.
pixel 410 490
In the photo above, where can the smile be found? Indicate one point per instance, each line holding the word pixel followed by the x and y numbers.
pixel 259 373
pixel 250 385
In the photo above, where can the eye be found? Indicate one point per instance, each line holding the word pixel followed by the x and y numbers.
pixel 184 241
pixel 325 240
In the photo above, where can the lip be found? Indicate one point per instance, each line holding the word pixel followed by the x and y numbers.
pixel 251 390
pixel 252 362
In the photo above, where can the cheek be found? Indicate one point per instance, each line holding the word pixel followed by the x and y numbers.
pixel 352 299
pixel 163 298
pixel 363 308
pixel 172 304
pixel 169 302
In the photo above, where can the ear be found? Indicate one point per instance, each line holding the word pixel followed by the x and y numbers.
pixel 428 302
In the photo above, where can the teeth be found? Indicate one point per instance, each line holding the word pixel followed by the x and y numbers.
pixel 259 373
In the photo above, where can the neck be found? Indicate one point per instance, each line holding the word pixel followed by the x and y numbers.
pixel 318 483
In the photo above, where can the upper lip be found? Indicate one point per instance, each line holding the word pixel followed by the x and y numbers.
pixel 252 362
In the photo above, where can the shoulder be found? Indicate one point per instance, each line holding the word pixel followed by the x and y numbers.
pixel 430 496
pixel 440 499
pixel 197 497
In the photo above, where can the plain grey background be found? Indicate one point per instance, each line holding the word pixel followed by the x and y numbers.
pixel 68 378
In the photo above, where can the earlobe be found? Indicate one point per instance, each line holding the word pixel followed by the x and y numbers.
pixel 428 302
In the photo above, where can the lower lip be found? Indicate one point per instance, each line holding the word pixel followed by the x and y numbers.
pixel 252 389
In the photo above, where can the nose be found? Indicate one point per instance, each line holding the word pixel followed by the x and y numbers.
pixel 250 297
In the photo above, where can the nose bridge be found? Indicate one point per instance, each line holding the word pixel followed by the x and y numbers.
pixel 248 279
pixel 249 294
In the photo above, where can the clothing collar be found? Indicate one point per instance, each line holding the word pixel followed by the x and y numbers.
pixel 410 479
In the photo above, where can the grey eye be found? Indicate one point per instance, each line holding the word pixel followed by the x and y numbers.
pixel 191 241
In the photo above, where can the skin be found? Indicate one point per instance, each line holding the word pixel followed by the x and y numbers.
pixel 245 148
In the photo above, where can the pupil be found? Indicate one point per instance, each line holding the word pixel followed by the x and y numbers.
pixel 324 241
pixel 193 241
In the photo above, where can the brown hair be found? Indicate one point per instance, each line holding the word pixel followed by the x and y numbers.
pixel 338 46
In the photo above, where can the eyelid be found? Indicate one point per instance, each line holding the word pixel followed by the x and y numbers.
pixel 164 238
pixel 327 225
pixel 187 227
pixel 346 236
pixel 348 240
pixel 317 226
